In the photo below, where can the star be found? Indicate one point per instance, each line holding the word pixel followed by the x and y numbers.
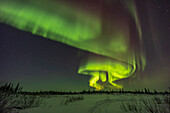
pixel 159 7
pixel 167 10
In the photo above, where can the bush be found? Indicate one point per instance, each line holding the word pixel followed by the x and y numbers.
pixel 11 100
pixel 156 104
pixel 72 99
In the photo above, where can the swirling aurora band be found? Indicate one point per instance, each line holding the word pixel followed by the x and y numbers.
pixel 109 29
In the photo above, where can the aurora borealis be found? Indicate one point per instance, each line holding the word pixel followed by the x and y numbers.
pixel 110 30
pixel 77 27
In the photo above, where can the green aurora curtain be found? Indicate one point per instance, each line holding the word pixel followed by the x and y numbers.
pixel 109 29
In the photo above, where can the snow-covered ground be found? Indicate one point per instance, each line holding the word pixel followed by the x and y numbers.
pixel 94 103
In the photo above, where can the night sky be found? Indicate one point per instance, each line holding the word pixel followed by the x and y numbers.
pixel 42 64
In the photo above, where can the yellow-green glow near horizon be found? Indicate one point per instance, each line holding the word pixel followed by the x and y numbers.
pixel 102 31
pixel 99 67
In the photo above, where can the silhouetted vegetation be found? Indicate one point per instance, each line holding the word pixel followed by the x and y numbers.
pixel 9 88
pixel 72 99
pixel 140 91
pixel 11 100
pixel 154 104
